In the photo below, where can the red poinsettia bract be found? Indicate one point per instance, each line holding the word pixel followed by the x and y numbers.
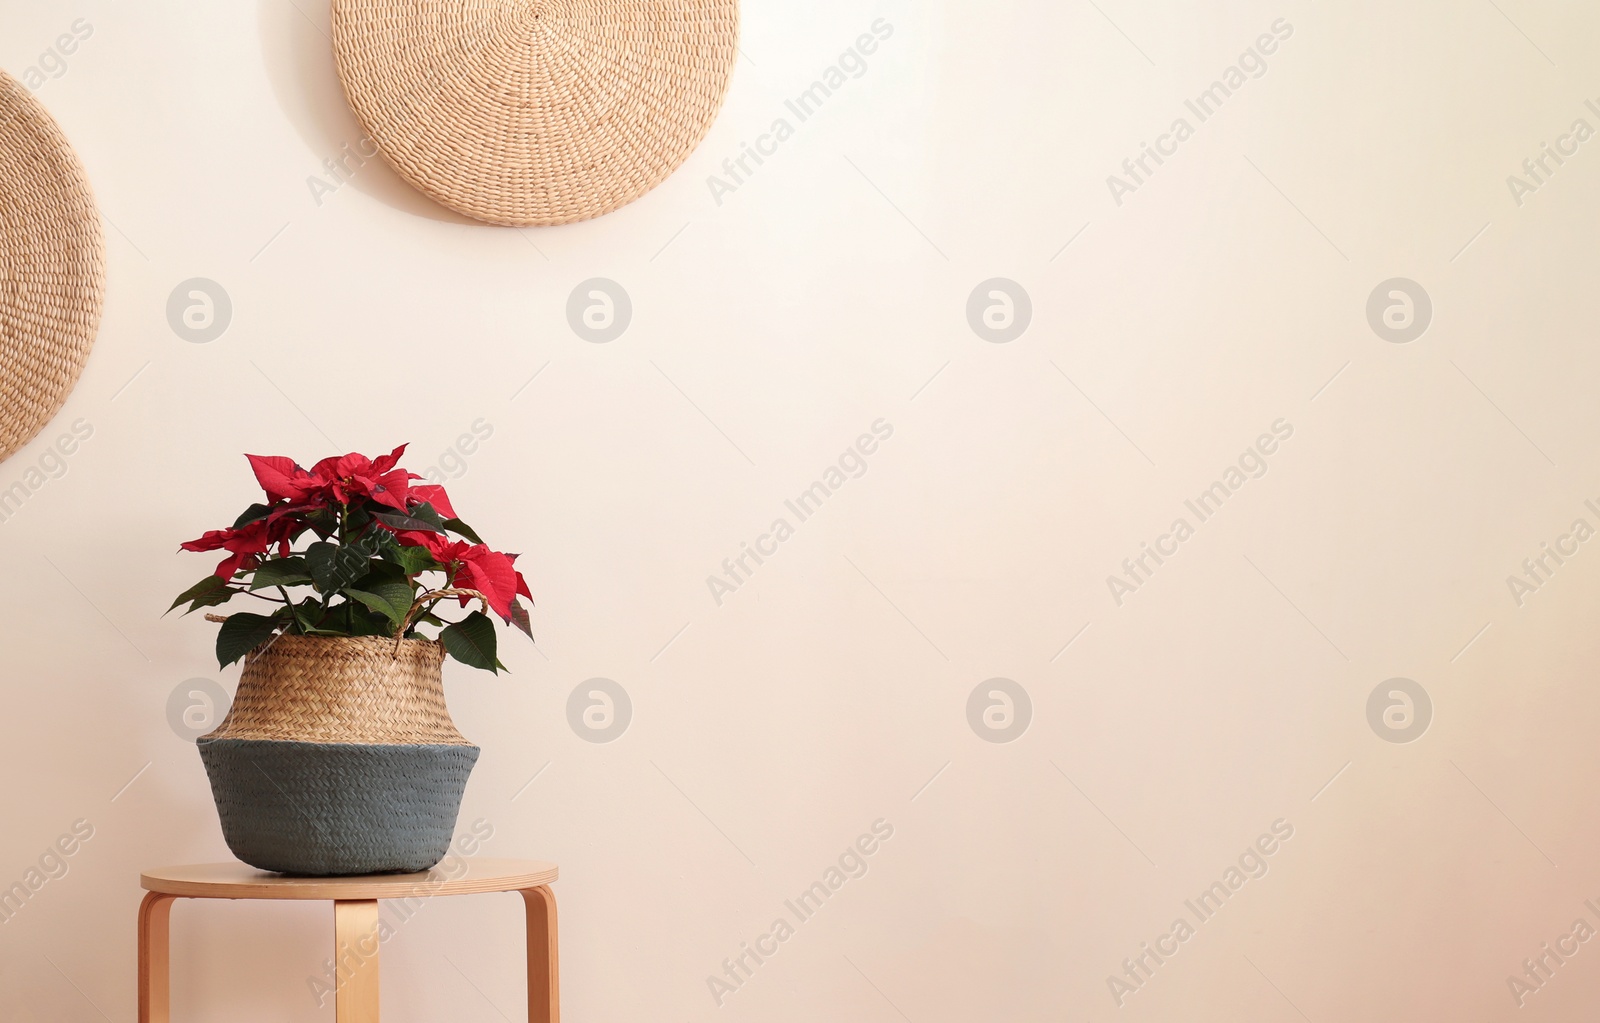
pixel 474 567
pixel 245 544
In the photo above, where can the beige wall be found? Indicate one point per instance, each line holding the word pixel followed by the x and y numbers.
pixel 1224 294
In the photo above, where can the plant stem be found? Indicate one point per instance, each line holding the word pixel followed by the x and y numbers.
pixel 261 596
pixel 294 620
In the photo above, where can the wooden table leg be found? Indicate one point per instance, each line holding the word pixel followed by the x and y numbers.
pixel 155 973
pixel 355 951
pixel 544 974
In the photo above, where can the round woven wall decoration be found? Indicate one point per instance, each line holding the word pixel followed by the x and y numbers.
pixel 527 112
pixel 52 267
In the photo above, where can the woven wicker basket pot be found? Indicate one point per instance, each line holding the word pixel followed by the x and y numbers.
pixel 339 757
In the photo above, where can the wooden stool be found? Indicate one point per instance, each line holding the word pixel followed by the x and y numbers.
pixel 355 923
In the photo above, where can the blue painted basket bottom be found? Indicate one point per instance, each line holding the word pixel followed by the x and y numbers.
pixel 322 808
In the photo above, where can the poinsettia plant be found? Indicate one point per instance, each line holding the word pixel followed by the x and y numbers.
pixel 352 547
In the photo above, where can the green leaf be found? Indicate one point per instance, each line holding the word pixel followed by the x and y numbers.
pixel 308 617
pixel 367 623
pixel 472 642
pixel 381 572
pixel 413 560
pixel 417 519
pixel 351 619
pixel 211 599
pixel 334 566
pixel 519 617
pixel 335 619
pixel 462 529
pixel 281 572
pixel 322 521
pixel 254 513
pixel 428 512
pixel 209 584
pixel 390 599
pixel 242 633
pixel 425 618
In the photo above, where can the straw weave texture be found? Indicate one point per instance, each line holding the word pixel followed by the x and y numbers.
pixel 525 112
pixel 342 690
pixel 52 267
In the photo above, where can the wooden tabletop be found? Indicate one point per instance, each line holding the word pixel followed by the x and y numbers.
pixel 238 881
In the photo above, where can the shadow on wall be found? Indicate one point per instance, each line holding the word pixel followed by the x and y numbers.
pixel 297 52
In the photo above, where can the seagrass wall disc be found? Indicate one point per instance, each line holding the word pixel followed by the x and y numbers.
pixel 52 267
pixel 527 112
